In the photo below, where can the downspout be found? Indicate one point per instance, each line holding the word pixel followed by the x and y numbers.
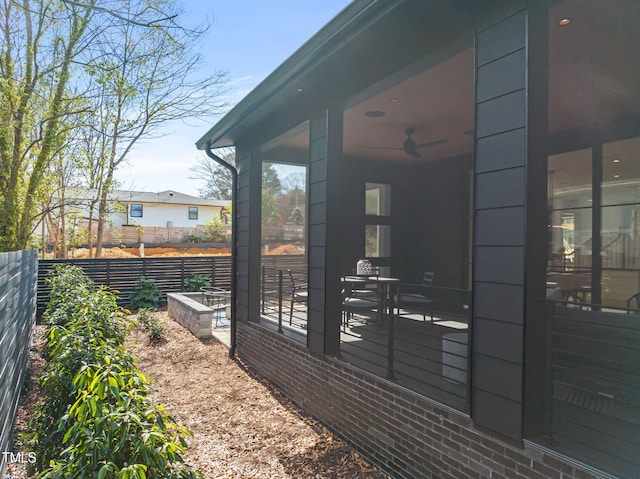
pixel 234 240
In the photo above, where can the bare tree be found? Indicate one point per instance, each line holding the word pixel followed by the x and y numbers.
pixel 143 78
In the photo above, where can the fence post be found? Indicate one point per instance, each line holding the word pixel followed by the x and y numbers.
pixel 181 272
pixel 280 301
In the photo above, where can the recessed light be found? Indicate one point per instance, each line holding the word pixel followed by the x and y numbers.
pixel 564 22
pixel 395 100
pixel 616 176
pixel 299 90
pixel 616 161
pixel 374 113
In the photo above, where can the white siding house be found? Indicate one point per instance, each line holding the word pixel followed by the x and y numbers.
pixel 165 208
pixel 137 216
pixel 141 208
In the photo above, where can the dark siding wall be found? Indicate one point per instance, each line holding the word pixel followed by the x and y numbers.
pixel 424 235
pixel 317 218
pixel 249 211
pixel 442 222
pixel 18 283
pixel 499 243
pixel 326 217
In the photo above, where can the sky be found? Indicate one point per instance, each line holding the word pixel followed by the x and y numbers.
pixel 248 40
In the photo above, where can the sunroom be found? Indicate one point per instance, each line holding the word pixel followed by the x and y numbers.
pixel 471 195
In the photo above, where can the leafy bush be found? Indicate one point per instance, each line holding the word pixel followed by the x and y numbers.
pixel 215 231
pixel 151 324
pixel 145 294
pixel 116 432
pixel 97 419
pixel 68 284
pixel 193 238
pixel 193 282
pixel 93 327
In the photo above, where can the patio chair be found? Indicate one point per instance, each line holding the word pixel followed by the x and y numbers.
pixel 416 297
pixel 358 298
pixel 636 298
pixel 299 294
pixel 217 299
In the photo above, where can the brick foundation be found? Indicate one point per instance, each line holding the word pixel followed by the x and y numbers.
pixel 404 433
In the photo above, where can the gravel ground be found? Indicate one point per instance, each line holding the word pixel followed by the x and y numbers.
pixel 242 426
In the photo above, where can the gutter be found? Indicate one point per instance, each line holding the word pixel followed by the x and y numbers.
pixel 234 240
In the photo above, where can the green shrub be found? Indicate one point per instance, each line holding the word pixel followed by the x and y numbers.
pixel 115 431
pixel 153 327
pixel 68 284
pixel 193 282
pixel 97 420
pixel 145 294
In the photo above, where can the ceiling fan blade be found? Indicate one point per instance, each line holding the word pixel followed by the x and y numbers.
pixel 382 148
pixel 413 152
pixel 431 143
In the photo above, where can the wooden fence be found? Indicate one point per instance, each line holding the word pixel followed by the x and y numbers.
pixel 121 274
pixel 18 274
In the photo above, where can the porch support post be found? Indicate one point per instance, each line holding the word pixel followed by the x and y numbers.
pixel 497 339
pixel 537 324
pixel 323 329
pixel 248 217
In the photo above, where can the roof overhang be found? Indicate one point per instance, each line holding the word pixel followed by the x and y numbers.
pixel 277 87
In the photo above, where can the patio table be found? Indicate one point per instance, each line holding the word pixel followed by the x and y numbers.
pixel 385 295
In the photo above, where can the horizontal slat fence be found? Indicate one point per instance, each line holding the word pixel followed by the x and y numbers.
pixel 18 273
pixel 121 274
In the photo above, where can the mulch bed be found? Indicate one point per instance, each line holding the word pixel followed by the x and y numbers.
pixel 242 426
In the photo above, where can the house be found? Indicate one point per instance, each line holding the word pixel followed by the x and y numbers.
pixel 165 216
pixel 494 144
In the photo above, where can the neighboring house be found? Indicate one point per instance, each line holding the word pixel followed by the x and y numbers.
pixel 496 145
pixel 165 208
pixel 163 216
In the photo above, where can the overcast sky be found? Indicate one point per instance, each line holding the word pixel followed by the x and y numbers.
pixel 248 40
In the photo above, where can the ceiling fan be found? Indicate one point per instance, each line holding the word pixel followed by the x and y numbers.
pixel 409 146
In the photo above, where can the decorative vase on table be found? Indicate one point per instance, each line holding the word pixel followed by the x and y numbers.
pixel 364 267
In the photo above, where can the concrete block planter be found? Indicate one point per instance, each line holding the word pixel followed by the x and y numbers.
pixel 191 313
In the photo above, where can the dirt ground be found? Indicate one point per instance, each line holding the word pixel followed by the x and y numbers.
pixel 81 253
pixel 242 426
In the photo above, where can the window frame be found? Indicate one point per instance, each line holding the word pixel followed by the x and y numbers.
pixel 135 214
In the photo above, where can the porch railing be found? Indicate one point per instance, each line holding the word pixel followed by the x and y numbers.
pixel 277 300
pixel 593 385
pixel 408 347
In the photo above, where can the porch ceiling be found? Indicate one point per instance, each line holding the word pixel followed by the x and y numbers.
pixel 437 101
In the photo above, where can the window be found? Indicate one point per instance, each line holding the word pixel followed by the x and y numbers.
pixel 377 233
pixel 605 263
pixel 135 210
pixel 283 229
pixel 378 199
pixel 377 241
pixel 193 212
